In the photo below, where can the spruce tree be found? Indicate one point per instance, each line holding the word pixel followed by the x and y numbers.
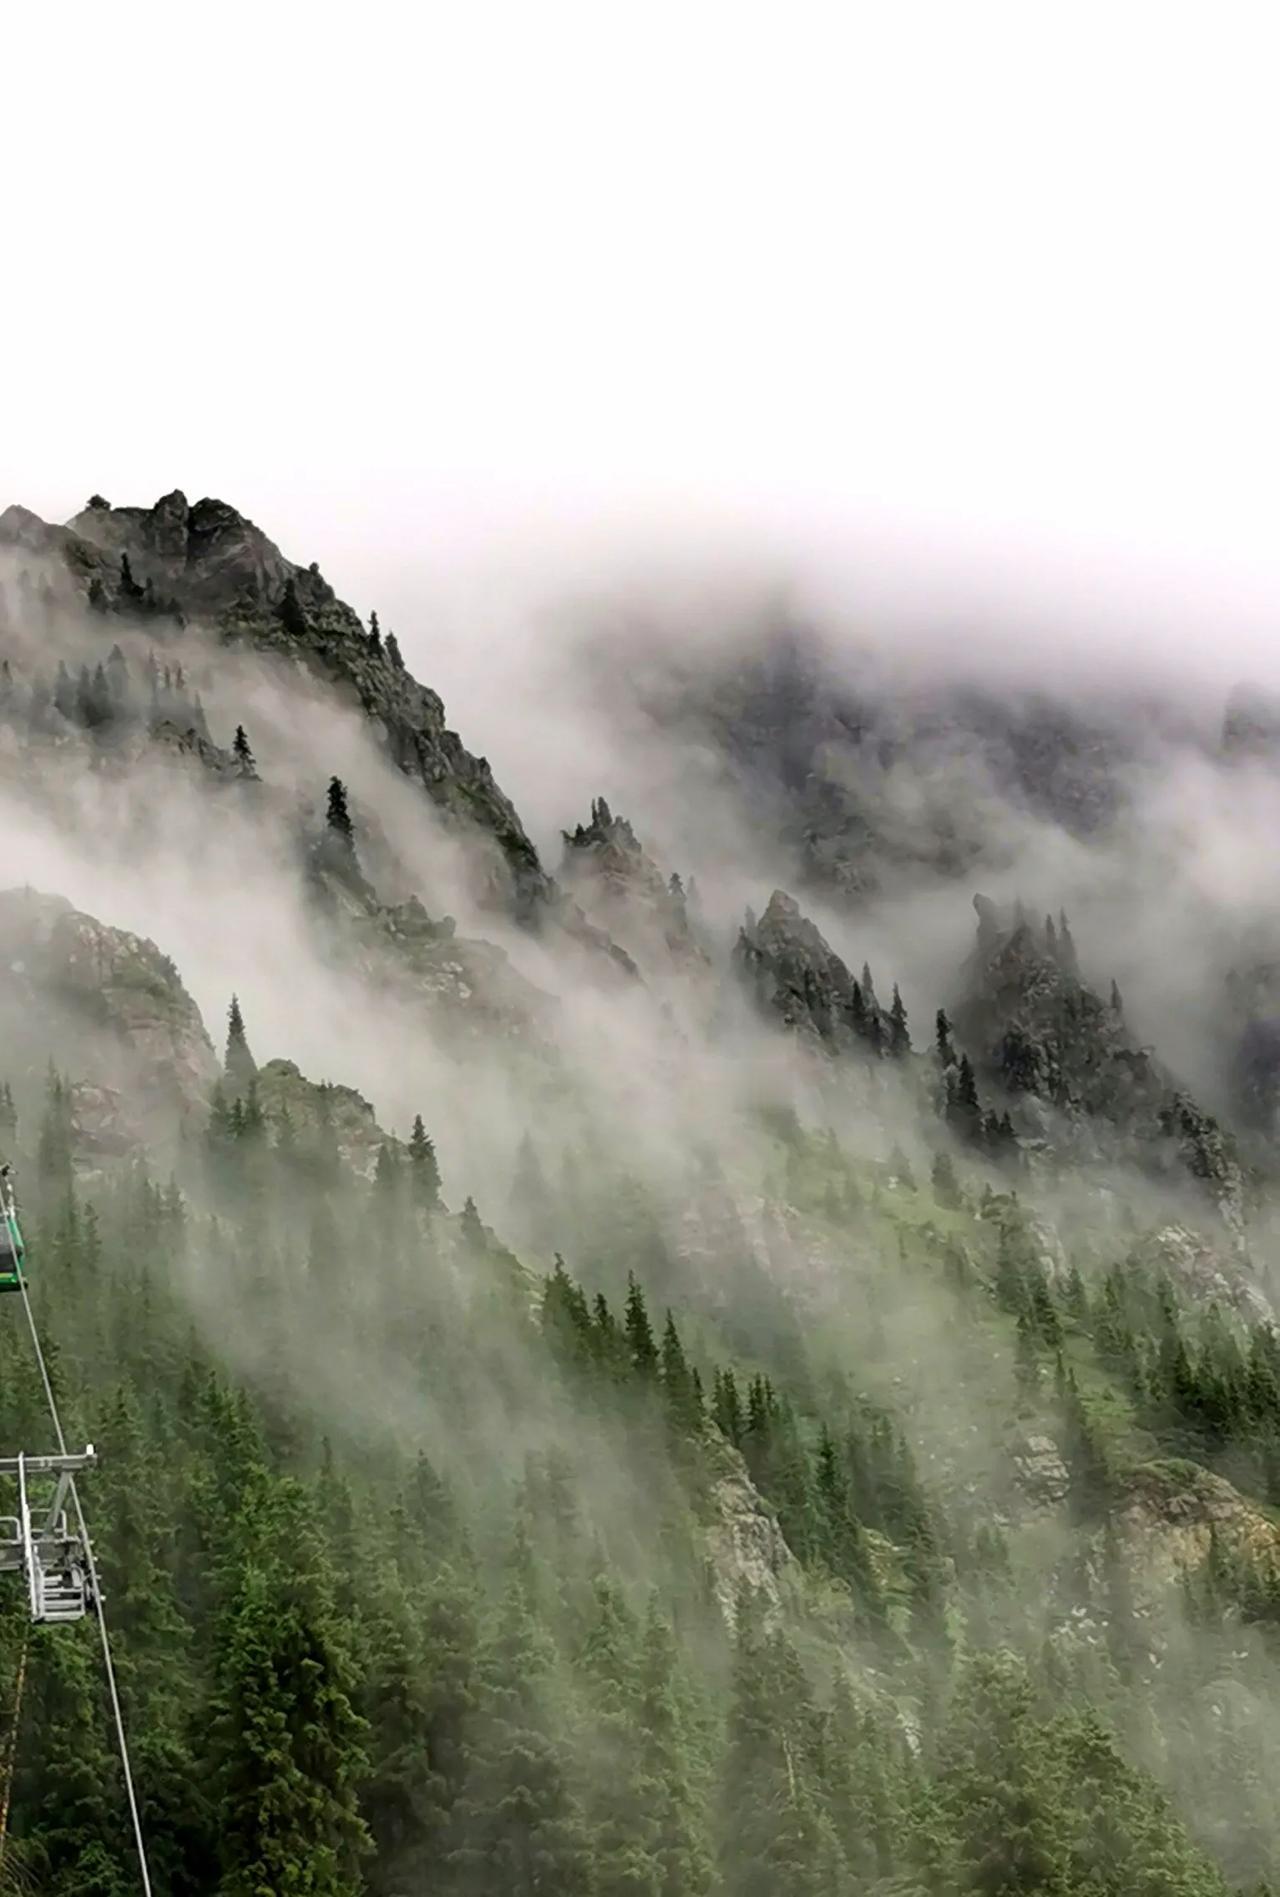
pixel 337 815
pixel 240 1066
pixel 899 1037
pixel 287 1738
pixel 242 753
pixel 518 1827
pixel 639 1332
pixel 423 1168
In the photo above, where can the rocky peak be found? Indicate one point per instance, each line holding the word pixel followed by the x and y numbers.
pixel 1039 1032
pixel 797 976
pixel 209 562
pixel 320 1117
pixel 606 868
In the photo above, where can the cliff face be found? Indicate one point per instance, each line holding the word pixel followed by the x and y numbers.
pixel 466 987
pixel 607 869
pixel 175 562
pixel 874 780
pixel 320 1117
pixel 795 976
pixel 112 1011
pixel 1048 1041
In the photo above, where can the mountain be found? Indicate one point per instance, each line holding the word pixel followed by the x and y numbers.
pixel 596 1391
pixel 173 563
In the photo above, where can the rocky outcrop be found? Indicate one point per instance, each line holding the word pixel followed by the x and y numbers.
pixel 874 780
pixel 1170 1509
pixel 195 747
pixel 1205 1273
pixel 468 988
pixel 745 1546
pixel 797 977
pixel 320 1118
pixel 108 1007
pixel 619 885
pixel 1040 1472
pixel 1066 1060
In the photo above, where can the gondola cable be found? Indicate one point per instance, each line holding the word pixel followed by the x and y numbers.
pixel 95 1590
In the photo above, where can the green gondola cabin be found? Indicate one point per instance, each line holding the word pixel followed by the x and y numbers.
pixel 12 1252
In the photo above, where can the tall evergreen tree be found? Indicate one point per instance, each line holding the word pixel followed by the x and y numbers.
pixel 240 1066
pixel 337 815
pixel 241 751
pixel 423 1168
pixel 899 1037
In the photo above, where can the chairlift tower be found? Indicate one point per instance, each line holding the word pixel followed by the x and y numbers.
pixel 39 1542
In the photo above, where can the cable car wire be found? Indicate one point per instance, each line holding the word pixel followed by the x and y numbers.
pixel 90 1563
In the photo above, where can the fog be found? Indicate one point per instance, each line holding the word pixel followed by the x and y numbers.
pixel 596 350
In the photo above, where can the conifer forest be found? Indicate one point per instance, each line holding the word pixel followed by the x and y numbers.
pixel 718 1339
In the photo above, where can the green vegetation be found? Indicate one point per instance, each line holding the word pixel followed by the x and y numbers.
pixel 525 1622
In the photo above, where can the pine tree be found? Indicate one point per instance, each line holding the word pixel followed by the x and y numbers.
pixel 518 1827
pixel 423 1168
pixel 393 651
pixel 942 1039
pixel 286 1736
pixel 726 1406
pixel 683 1403
pixel 842 1542
pixel 406 1801
pixel 337 815
pixel 639 1333
pixel 677 1801
pixel 242 753
pixel 997 1782
pixel 375 634
pixel 775 1834
pixel 469 1225
pixel 899 1037
pixel 240 1066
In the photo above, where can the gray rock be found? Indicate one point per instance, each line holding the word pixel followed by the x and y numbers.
pixel 110 1009
pixel 797 977
pixel 1040 1472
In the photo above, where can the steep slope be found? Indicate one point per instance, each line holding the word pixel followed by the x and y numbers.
pixel 108 1008
pixel 1067 1059
pixel 875 778
pixel 795 976
pixel 620 886
pixel 174 562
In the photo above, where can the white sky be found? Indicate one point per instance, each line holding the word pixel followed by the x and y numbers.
pixel 409 282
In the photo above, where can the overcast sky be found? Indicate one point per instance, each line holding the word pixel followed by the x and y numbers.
pixel 410 283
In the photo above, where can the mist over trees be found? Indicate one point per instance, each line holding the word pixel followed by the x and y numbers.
pixel 695 1365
